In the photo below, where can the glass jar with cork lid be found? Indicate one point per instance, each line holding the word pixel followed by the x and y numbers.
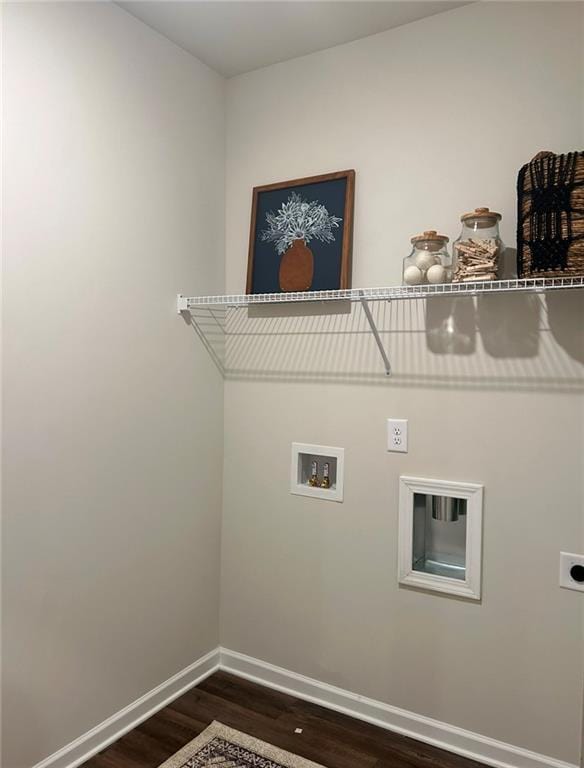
pixel 479 246
pixel 429 261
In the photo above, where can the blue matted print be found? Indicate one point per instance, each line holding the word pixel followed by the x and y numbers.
pixel 301 234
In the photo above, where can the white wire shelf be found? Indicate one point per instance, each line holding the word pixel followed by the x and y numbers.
pixel 535 284
pixel 212 304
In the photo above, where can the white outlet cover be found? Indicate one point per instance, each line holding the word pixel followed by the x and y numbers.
pixel 567 561
pixel 397 435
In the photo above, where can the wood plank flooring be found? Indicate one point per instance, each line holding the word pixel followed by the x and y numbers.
pixel 329 738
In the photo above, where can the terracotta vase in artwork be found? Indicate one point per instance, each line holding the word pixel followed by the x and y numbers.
pixel 297 267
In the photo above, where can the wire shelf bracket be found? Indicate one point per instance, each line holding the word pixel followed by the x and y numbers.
pixel 375 332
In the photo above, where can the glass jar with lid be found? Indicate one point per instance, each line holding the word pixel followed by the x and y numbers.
pixel 478 248
pixel 429 261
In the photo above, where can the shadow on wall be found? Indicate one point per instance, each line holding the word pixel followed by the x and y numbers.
pixel 502 341
pixel 452 325
pixel 566 313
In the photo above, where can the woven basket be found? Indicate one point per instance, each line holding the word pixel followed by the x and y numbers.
pixel 550 219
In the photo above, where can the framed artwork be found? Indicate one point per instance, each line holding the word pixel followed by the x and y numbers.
pixel 301 234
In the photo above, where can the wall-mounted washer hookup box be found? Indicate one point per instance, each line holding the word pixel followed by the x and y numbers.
pixel 440 528
pixel 318 471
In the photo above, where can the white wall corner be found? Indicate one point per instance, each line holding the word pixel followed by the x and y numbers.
pixel 112 729
pixel 442 735
pixel 425 729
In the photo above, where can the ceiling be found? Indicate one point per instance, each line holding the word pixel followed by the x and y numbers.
pixel 236 37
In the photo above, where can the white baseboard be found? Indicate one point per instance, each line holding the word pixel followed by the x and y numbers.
pixel 448 737
pixel 126 719
pixel 443 735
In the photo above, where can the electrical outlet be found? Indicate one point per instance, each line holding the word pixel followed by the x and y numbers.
pixel 397 435
pixel 572 571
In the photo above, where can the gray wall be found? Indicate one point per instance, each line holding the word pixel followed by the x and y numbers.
pixel 113 202
pixel 436 117
pixel 113 168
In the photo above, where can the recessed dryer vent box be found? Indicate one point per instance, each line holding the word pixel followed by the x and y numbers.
pixel 440 528
pixel 308 471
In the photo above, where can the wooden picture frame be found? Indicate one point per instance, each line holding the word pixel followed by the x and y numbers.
pixel 301 234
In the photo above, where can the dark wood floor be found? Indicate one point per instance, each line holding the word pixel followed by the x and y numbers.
pixel 329 738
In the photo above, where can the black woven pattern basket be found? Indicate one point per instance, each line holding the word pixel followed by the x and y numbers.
pixel 550 216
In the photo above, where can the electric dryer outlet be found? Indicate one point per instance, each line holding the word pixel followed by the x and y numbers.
pixel 572 571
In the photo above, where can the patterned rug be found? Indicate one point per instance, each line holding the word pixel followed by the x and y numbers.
pixel 222 747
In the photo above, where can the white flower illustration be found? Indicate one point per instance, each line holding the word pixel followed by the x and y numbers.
pixel 299 219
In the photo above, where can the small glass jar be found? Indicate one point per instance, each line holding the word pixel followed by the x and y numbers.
pixel 477 250
pixel 429 261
